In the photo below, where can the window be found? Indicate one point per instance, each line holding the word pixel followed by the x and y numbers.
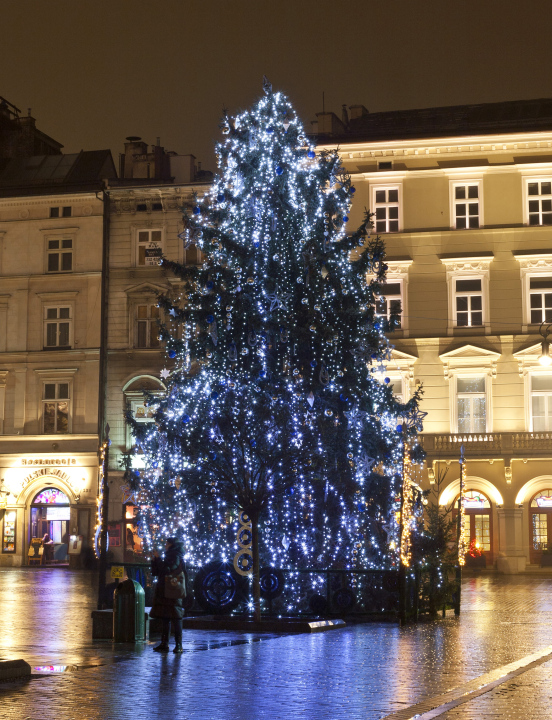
pixel 468 292
pixel 386 208
pixel 147 330
pixel 55 408
pixel 471 404
pixel 466 206
pixel 539 202
pixel 60 255
pixel 541 403
pixel 141 207
pixel 192 255
pixel 57 327
pixel 65 212
pixel 540 299
pixel 157 206
pixel 468 302
pixel 150 247
pixel 8 531
pixel 541 529
pixel 390 301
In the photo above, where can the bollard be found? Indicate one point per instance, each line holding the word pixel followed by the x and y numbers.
pixel 128 612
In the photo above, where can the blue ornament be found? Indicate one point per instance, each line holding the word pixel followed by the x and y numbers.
pixel 399 428
pixel 345 218
pixel 210 319
pixel 387 380
pixel 185 418
pixel 270 129
pixel 220 197
pixel 155 464
pixel 374 356
pixel 197 210
pixel 352 189
pixel 172 353
pixel 210 284
pixel 361 507
pixel 311 154
pixel 290 491
pixel 313 363
pixel 279 170
pixel 157 506
pixel 214 395
pixel 253 443
pixel 256 243
pixel 213 455
pixel 262 374
pixel 343 398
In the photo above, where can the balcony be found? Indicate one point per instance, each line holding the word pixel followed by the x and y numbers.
pixel 488 445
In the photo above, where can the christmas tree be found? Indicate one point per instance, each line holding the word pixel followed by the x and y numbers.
pixel 273 408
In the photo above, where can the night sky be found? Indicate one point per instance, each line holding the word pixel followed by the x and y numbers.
pixel 95 72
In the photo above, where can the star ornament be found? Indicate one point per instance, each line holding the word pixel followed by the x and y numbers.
pixel 364 464
pixel 164 374
pixel 415 419
pixel 354 414
pixel 278 301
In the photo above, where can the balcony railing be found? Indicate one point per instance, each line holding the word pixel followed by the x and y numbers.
pixel 489 445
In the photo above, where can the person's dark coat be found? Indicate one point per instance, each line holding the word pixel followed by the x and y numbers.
pixel 170 608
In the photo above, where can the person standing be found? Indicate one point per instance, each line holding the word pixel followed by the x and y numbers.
pixel 168 609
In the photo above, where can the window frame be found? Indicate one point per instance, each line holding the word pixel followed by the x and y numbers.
pixel 527 180
pixel 532 393
pixel 57 377
pixel 374 188
pixel 532 265
pixel 458 395
pixel 49 321
pixel 149 321
pixel 138 244
pixel 56 400
pixel 465 182
pixel 469 361
pixel 471 268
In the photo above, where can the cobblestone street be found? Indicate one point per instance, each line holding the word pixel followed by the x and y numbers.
pixel 502 641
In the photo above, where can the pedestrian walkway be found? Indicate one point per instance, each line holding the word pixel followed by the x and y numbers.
pixel 502 641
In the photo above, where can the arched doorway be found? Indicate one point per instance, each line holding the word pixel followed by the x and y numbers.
pixel 540 524
pixel 49 524
pixel 477 508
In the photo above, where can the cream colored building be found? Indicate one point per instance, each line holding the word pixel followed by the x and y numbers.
pixel 145 221
pixel 51 250
pixel 463 199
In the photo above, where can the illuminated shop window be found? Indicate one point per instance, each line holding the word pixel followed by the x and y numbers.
pixel 475 499
pixel 478 519
pixel 541 528
pixel 51 496
pixel 8 531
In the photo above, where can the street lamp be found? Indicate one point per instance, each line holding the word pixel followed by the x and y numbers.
pixel 545 360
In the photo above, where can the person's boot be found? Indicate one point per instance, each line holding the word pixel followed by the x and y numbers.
pixel 162 647
pixel 164 644
pixel 178 648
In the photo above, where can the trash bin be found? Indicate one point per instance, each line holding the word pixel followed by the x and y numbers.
pixel 128 612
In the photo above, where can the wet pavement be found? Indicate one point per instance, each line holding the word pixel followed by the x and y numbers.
pixel 493 661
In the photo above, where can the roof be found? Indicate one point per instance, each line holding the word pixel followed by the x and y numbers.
pixel 63 173
pixel 458 120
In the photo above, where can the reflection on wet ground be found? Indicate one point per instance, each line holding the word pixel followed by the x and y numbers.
pixel 361 671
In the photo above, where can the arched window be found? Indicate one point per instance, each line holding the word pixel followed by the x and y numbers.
pixel 541 524
pixel 477 507
pixel 50 496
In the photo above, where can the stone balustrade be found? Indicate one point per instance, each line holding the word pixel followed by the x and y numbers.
pixel 488 445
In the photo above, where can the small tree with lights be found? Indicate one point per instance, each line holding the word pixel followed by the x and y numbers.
pixel 273 411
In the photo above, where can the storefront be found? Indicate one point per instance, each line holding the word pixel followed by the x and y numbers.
pixel 50 508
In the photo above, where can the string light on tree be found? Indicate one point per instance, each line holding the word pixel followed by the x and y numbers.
pixel 271 408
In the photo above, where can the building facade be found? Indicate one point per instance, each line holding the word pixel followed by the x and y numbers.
pixel 463 198
pixel 52 234
pixel 145 222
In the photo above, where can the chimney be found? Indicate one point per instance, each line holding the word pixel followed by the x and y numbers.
pixel 358 111
pixel 344 115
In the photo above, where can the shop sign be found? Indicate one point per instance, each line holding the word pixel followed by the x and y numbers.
pixel 49 461
pixel 117 571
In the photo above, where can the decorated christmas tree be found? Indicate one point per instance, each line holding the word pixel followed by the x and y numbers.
pixel 276 424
